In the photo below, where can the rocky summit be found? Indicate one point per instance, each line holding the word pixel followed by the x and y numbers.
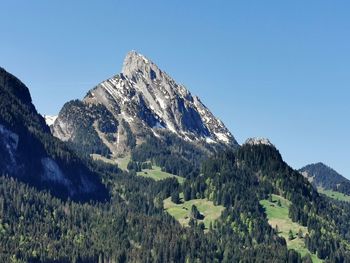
pixel 258 141
pixel 142 100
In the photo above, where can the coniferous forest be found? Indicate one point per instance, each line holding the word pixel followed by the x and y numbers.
pixel 132 227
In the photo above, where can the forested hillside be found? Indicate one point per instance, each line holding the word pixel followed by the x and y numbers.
pixel 30 153
pixel 133 227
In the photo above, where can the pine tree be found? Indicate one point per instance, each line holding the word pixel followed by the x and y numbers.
pixel 300 233
pixel 270 198
pixel 290 235
pixel 175 198
pixel 277 229
pixel 195 214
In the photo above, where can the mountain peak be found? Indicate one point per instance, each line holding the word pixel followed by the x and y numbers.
pixel 133 54
pixel 141 100
pixel 135 63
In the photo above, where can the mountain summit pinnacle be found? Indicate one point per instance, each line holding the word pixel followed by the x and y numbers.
pixel 141 100
pixel 135 63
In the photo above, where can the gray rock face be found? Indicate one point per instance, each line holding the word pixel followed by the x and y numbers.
pixel 258 141
pixel 8 149
pixel 143 99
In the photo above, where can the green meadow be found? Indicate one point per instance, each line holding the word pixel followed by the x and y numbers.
pixel 157 174
pixel 278 218
pixel 181 212
pixel 335 195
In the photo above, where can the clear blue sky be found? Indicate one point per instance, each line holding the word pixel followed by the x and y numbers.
pixel 278 69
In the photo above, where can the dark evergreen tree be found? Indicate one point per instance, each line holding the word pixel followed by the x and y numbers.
pixel 175 197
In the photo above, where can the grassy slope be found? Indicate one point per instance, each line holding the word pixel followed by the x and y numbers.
pixel 157 174
pixel 334 194
pixel 278 216
pixel 123 162
pixel 181 211
pixel 102 158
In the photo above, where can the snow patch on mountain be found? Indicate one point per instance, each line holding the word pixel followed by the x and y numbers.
pixel 222 137
pixel 209 140
pixel 50 119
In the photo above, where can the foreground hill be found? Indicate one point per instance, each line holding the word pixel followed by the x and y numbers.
pixel 324 177
pixel 30 153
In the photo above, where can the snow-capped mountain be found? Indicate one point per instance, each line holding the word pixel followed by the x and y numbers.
pixel 141 100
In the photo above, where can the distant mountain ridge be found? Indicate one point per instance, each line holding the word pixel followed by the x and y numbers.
pixel 323 176
pixel 141 101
